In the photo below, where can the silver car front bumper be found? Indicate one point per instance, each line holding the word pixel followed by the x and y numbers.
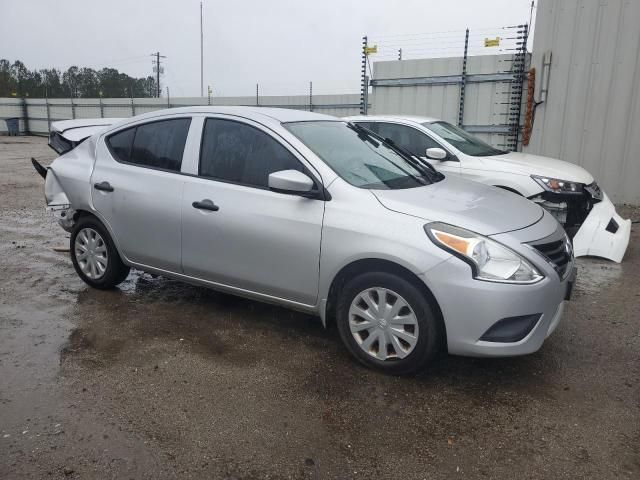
pixel 470 308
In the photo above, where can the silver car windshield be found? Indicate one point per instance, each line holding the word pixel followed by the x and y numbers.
pixel 463 141
pixel 358 157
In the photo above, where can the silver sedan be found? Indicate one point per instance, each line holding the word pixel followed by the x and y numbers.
pixel 316 214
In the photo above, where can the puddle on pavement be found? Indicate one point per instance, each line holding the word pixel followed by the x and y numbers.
pixel 148 311
pixel 149 308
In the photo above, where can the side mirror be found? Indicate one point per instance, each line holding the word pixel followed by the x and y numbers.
pixel 436 153
pixel 290 181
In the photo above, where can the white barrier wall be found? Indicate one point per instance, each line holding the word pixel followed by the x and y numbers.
pixel 40 112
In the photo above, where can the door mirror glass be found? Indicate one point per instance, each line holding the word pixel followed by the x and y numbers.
pixel 291 181
pixel 436 153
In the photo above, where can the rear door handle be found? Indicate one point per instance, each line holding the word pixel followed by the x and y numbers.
pixel 206 204
pixel 103 187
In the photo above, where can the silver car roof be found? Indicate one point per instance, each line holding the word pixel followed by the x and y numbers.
pixel 281 115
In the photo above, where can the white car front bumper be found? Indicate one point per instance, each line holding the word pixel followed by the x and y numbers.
pixel 604 233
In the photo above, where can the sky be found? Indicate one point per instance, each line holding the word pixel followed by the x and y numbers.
pixel 280 44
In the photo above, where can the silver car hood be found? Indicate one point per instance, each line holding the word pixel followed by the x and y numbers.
pixel 471 205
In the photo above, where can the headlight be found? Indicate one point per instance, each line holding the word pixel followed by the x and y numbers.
pixel 556 185
pixel 489 260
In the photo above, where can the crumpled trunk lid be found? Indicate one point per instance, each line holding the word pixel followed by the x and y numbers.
pixel 66 135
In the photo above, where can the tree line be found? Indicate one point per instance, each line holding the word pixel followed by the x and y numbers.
pixel 16 80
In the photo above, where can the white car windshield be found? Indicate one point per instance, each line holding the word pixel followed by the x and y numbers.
pixel 463 141
pixel 361 158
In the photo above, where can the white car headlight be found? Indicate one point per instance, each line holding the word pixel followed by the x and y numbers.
pixel 556 185
pixel 489 260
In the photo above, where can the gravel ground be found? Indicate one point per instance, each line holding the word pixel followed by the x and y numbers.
pixel 160 379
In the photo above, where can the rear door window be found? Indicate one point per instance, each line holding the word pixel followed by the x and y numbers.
pixel 160 144
pixel 239 153
pixel 120 144
pixel 154 145
pixel 408 138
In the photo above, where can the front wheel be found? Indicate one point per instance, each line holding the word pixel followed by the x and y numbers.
pixel 94 255
pixel 387 323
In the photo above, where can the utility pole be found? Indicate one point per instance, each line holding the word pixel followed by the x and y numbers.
pixel 157 67
pixel 201 56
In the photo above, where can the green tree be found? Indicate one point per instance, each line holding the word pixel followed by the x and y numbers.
pixel 70 81
pixel 7 81
pixel 52 83
pixel 20 74
pixel 88 83
pixel 17 80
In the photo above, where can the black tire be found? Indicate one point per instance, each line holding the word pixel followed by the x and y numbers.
pixel 429 326
pixel 115 272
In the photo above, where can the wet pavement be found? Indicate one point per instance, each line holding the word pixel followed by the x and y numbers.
pixel 160 379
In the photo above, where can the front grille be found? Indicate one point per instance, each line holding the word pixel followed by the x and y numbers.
pixel 557 250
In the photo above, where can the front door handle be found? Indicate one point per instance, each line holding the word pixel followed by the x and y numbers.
pixel 206 204
pixel 103 187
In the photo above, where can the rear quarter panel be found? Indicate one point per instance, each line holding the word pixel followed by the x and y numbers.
pixel 73 172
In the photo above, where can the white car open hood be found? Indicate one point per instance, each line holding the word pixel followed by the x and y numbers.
pixel 529 164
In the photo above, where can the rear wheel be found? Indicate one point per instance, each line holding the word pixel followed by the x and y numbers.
pixel 387 323
pixel 94 255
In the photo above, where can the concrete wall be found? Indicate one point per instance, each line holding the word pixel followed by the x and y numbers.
pixel 40 111
pixel 591 116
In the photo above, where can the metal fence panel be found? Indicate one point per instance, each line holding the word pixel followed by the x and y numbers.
pixel 591 114
pixel 431 87
pixel 43 111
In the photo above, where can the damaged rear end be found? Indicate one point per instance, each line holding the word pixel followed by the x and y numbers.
pixel 67 185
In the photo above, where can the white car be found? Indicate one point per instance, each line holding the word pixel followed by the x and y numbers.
pixel 566 190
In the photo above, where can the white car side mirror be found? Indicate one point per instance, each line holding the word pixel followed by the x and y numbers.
pixel 436 153
pixel 290 181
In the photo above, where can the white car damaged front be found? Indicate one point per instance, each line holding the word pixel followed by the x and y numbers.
pixel 567 191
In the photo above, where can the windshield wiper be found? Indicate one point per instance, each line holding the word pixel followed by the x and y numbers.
pixel 364 133
pixel 423 167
